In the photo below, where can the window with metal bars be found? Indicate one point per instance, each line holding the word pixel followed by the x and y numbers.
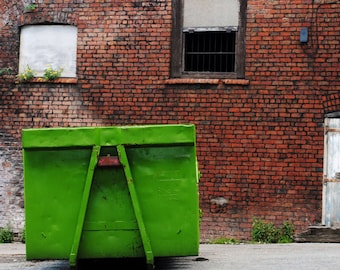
pixel 208 38
pixel 209 51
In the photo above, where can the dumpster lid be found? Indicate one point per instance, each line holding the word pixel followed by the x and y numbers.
pixel 104 136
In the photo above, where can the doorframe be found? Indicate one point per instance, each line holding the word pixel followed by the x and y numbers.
pixel 325 168
pixel 324 174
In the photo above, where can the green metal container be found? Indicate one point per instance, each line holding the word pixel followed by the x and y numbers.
pixel 111 192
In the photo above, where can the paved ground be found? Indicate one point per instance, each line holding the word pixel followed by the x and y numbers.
pixel 297 256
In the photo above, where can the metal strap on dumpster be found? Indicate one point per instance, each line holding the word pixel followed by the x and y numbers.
pixel 145 238
pixel 83 205
pixel 112 161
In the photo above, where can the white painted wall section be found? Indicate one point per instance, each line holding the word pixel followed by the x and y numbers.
pixel 48 45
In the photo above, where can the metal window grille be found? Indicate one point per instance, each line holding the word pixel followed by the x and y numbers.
pixel 209 51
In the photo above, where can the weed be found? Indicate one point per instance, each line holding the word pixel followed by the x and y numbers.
pixel 225 241
pixel 52 74
pixel 23 236
pixel 6 235
pixel 266 232
pixel 27 75
pixel 30 7
pixel 287 233
pixel 5 71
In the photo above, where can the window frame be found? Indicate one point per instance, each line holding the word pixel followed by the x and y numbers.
pixel 177 46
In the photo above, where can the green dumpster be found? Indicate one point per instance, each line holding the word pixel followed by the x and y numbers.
pixel 111 192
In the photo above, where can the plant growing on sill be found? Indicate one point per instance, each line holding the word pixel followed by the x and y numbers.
pixel 27 75
pixel 51 74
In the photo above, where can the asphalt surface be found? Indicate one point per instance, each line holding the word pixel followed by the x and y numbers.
pixel 296 256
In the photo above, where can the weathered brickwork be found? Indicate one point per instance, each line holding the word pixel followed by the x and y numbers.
pixel 259 145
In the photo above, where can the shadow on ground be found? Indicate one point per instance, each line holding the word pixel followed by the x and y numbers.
pixel 166 263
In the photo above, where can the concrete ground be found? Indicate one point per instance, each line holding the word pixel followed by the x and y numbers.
pixel 296 256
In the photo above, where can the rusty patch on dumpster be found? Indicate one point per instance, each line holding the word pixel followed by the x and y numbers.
pixel 108 161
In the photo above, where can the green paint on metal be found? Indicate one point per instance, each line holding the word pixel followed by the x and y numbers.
pixel 110 226
pixel 54 181
pixel 107 136
pixel 69 215
pixel 145 238
pixel 83 205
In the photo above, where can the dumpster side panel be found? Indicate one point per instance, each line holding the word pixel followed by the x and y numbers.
pixel 166 182
pixel 54 182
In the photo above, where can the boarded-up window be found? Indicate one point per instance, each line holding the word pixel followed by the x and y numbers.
pixel 212 13
pixel 43 46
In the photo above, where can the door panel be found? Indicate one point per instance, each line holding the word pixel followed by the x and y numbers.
pixel 331 181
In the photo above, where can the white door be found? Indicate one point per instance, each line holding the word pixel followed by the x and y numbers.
pixel 331 179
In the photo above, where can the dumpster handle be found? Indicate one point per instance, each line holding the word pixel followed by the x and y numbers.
pixel 83 205
pixel 128 175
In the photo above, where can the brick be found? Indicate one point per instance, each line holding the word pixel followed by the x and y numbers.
pixel 259 139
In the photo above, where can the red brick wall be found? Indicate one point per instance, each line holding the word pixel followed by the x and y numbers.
pixel 259 145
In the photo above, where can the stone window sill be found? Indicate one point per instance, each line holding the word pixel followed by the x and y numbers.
pixel 207 81
pixel 58 80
